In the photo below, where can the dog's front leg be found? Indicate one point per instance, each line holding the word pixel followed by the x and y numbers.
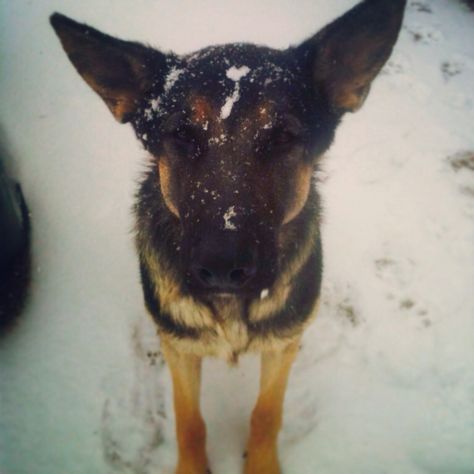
pixel 190 428
pixel 262 455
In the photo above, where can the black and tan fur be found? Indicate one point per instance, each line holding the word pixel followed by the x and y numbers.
pixel 227 215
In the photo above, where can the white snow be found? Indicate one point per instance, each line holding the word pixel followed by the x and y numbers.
pixel 155 103
pixel 226 109
pixel 228 215
pixel 149 113
pixel 384 381
pixel 235 74
pixel 171 78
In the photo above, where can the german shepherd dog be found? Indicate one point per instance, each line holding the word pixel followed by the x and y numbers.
pixel 228 213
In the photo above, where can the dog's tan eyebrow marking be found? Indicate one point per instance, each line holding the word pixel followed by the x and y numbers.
pixel 264 113
pixel 202 111
pixel 261 115
pixel 302 183
pixel 165 183
pixel 265 110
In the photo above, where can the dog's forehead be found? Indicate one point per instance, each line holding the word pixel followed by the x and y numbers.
pixel 221 80
pixel 235 61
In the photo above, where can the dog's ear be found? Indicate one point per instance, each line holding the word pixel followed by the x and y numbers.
pixel 121 72
pixel 347 54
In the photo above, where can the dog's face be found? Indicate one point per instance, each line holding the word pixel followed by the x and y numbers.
pixel 236 130
pixel 232 131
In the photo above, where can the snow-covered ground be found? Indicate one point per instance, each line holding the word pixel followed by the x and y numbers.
pixel 384 383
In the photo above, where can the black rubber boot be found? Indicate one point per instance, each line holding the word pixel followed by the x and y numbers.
pixel 15 258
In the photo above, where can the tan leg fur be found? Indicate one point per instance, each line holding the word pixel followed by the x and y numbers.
pixel 262 455
pixel 190 428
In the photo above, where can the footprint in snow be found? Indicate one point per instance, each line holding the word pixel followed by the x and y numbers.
pixel 450 69
pixel 300 416
pixel 457 64
pixel 325 336
pixel 424 34
pixel 392 272
pixel 420 6
pixel 322 340
pixel 462 161
pixel 134 420
pixel 399 72
pixel 398 64
pixel 397 273
pixel 410 307
pixel 462 164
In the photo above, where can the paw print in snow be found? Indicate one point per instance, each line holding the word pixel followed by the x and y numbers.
pixel 134 418
pixel 420 6
pixel 451 69
pixel 398 65
pixel 392 68
pixel 408 305
pixel 301 416
pixel 346 310
pixel 462 161
pixel 457 64
pixel 424 34
pixel 155 358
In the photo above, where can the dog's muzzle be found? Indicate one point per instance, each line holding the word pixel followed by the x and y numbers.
pixel 222 262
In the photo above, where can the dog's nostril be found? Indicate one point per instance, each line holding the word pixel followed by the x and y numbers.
pixel 205 275
pixel 238 275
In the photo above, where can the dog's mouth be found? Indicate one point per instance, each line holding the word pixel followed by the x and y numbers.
pixel 222 293
pixel 228 264
pixel 260 290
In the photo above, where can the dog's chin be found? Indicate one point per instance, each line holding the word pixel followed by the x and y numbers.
pixel 222 299
pixel 257 289
pixel 223 295
pixel 220 295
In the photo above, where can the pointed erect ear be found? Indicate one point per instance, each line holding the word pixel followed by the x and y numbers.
pixel 346 55
pixel 121 72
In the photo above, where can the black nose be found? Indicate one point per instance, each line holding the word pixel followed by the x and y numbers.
pixel 223 278
pixel 223 262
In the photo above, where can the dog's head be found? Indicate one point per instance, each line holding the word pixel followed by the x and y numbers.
pixel 236 130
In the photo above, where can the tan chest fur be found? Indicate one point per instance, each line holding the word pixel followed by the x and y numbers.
pixel 224 333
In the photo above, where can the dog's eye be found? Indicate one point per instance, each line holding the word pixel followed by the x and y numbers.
pixel 184 141
pixel 280 139
pixel 182 135
pixel 283 137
